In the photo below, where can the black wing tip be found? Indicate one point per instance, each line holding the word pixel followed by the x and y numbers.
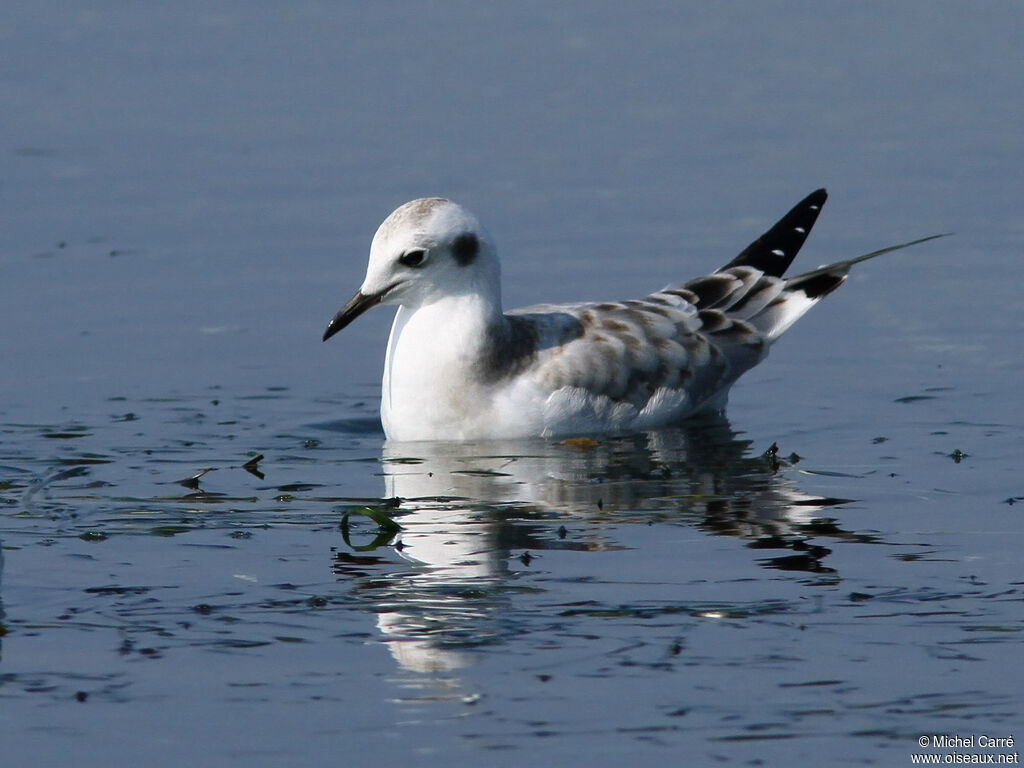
pixel 774 251
pixel 819 286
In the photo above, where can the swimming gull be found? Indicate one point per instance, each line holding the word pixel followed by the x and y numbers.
pixel 459 367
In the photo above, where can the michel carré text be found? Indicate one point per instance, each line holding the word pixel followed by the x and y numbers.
pixel 943 740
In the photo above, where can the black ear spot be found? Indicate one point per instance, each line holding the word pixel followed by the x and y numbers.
pixel 465 247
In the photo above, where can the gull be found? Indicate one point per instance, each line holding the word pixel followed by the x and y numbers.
pixel 458 367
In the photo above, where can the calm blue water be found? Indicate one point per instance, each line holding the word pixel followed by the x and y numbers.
pixel 187 196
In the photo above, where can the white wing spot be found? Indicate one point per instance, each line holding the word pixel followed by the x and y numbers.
pixel 778 252
pixel 801 230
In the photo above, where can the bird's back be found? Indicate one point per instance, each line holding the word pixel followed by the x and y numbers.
pixel 647 362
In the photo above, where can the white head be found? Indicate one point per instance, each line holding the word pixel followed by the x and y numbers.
pixel 424 251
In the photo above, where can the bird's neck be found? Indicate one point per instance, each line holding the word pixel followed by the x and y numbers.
pixel 437 355
pixel 456 328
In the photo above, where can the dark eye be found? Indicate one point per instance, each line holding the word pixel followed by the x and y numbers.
pixel 414 257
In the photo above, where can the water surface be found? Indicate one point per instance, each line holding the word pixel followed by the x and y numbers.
pixel 191 485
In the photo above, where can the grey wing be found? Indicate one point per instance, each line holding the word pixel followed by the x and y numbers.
pixel 697 337
pixel 630 350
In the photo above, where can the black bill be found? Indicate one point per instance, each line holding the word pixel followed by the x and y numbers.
pixel 355 307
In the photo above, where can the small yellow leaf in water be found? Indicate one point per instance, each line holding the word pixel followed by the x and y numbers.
pixel 580 442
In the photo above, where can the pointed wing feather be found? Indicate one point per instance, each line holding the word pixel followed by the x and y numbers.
pixel 773 252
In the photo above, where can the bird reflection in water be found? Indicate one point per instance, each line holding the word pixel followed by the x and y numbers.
pixel 471 514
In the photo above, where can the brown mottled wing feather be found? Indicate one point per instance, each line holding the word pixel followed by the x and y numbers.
pixel 628 350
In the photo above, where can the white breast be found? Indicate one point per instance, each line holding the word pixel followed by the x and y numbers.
pixel 429 390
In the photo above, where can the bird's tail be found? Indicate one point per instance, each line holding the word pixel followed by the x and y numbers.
pixel 801 292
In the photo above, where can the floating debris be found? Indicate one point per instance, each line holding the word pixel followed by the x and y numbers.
pixel 193 481
pixel 772 457
pixel 252 466
pixel 387 527
pixel 583 443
